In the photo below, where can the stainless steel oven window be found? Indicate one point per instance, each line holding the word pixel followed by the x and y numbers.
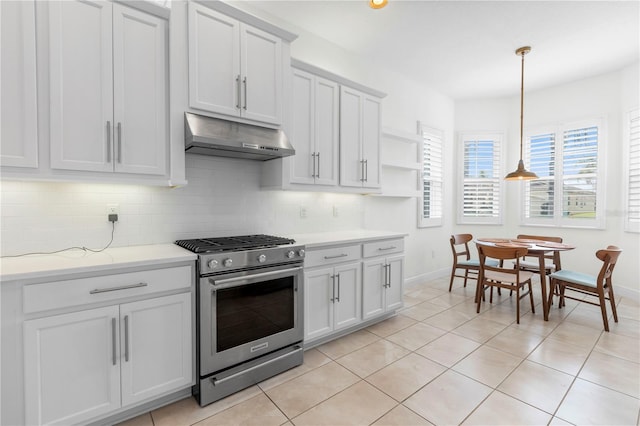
pixel 252 312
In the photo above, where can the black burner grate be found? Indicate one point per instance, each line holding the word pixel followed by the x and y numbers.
pixel 243 242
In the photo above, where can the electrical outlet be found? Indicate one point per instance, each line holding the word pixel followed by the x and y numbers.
pixel 112 212
pixel 113 209
pixel 336 213
pixel 303 212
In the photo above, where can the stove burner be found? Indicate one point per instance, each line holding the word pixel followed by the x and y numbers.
pixel 239 243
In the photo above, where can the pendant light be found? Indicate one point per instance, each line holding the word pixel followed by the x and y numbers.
pixel 521 173
pixel 377 4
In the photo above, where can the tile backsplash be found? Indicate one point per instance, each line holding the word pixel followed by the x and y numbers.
pixel 223 197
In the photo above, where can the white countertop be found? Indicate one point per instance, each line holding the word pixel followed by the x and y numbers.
pixel 79 261
pixel 321 239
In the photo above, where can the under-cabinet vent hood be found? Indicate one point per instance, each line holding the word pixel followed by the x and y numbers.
pixel 223 138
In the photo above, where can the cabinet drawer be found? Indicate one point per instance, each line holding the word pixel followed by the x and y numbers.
pixel 331 255
pixel 77 292
pixel 383 248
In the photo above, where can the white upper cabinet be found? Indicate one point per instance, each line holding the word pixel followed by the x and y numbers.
pixel 314 132
pixel 235 69
pixel 18 109
pixel 359 139
pixel 108 88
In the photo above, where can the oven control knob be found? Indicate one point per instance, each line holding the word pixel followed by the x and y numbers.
pixel 290 254
pixel 301 252
pixel 213 264
pixel 227 263
pixel 262 258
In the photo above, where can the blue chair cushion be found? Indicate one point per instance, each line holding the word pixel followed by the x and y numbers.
pixel 575 277
pixel 476 262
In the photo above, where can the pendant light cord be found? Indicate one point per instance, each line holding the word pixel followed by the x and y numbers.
pixel 522 104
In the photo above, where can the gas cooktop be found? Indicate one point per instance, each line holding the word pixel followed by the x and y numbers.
pixel 238 243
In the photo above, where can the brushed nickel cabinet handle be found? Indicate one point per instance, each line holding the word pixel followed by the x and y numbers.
pixel 113 341
pixel 338 298
pixel 244 81
pixel 333 288
pixel 122 287
pixel 336 257
pixel 318 157
pixel 108 141
pixel 238 91
pixel 386 248
pixel 366 170
pixel 126 338
pixel 313 159
pixel 119 142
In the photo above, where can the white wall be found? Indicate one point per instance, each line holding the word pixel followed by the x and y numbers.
pixel 608 96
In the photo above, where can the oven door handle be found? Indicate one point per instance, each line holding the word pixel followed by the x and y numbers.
pixel 238 281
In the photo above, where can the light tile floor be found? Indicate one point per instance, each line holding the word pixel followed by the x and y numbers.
pixel 438 362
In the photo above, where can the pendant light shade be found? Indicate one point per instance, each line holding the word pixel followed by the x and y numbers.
pixel 521 173
pixel 377 4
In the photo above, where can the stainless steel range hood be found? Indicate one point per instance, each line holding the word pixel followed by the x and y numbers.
pixel 223 138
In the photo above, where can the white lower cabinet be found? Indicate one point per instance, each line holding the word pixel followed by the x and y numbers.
pixel 81 365
pixel 332 299
pixel 349 285
pixel 382 280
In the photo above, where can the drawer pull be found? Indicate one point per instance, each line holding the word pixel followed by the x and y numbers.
pixel 122 287
pixel 386 248
pixel 336 257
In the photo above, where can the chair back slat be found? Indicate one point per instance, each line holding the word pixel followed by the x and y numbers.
pixel 609 257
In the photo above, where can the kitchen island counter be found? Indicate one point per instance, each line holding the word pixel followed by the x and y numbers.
pixel 331 238
pixel 79 261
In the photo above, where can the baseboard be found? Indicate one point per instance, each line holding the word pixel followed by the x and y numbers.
pixel 627 293
pixel 422 278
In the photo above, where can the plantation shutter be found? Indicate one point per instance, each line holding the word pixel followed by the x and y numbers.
pixel 633 183
pixel 481 180
pixel 579 172
pixel 432 195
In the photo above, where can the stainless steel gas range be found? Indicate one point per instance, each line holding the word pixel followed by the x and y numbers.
pixel 249 311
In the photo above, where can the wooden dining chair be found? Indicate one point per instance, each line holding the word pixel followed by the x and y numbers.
pixel 513 279
pixel 600 286
pixel 462 259
pixel 551 259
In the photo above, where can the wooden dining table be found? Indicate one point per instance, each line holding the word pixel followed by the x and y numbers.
pixel 535 248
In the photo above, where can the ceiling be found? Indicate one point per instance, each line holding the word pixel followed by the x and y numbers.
pixel 466 49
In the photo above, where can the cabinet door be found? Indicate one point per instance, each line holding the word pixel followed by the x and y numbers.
pixel 81 85
pixel 261 63
pixel 373 290
pixel 351 166
pixel 393 296
pixel 327 96
pixel 140 91
pixel 18 108
pixel 214 61
pixel 72 366
pixel 302 130
pixel 348 299
pixel 156 346
pixel 318 303
pixel 371 141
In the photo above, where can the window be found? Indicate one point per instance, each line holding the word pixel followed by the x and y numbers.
pixel 432 186
pixel 632 216
pixel 481 181
pixel 566 159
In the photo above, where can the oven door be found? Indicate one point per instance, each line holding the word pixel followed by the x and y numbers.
pixel 247 314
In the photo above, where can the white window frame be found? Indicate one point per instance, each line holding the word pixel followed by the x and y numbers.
pixel 435 138
pixel 497 178
pixel 557 219
pixel 632 171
